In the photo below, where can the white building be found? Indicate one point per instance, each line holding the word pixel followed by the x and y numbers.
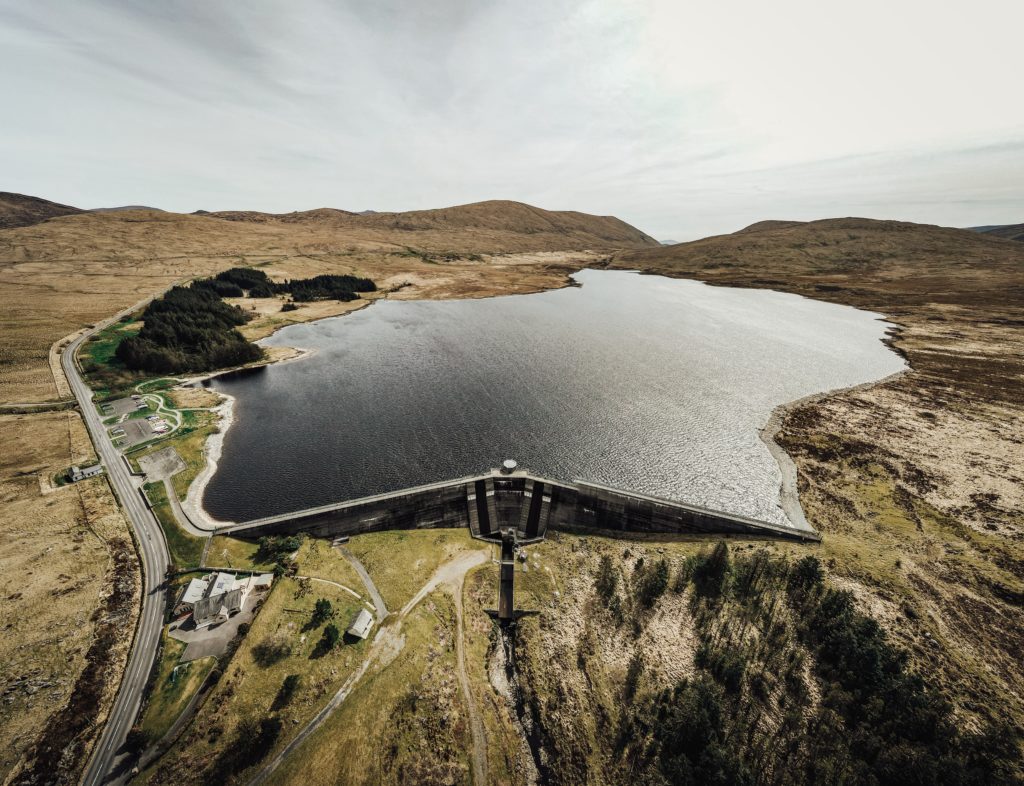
pixel 76 474
pixel 214 598
pixel 361 624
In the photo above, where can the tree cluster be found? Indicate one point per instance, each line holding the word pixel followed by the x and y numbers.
pixel 253 741
pixel 322 611
pixel 245 281
pixel 746 717
pixel 188 329
pixel 192 329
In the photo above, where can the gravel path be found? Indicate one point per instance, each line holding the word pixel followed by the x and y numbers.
pixel 378 601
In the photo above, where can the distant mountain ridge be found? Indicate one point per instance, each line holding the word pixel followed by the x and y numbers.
pixel 120 208
pixel 858 261
pixel 21 210
pixel 488 216
pixel 1008 231
pixel 492 227
pixel 845 243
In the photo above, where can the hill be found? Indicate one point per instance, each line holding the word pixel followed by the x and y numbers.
pixel 481 226
pixel 914 482
pixel 1008 231
pixel 19 210
pixel 761 226
pixel 119 208
pixel 860 261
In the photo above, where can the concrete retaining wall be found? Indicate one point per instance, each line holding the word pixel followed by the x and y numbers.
pixel 577 506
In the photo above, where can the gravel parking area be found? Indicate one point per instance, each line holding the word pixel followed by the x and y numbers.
pixel 120 406
pixel 132 432
pixel 213 641
pixel 161 464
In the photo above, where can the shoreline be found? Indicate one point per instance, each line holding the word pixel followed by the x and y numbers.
pixel 193 503
pixel 789 497
pixel 789 494
pixel 225 411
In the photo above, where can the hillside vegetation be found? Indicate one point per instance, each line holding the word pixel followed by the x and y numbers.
pixel 705 664
pixel 19 210
pixel 1007 231
pixel 916 483
pixel 480 223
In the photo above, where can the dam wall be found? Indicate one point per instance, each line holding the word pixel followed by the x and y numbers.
pixel 422 507
pixel 489 502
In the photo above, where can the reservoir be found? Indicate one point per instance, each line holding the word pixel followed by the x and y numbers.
pixel 643 383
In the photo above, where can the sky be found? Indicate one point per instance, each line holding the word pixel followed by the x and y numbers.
pixel 685 119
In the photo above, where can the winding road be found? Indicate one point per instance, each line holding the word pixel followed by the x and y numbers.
pixel 107 756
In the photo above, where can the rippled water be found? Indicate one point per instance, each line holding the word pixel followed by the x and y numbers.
pixel 640 382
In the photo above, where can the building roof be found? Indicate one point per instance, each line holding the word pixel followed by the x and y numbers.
pixel 195 590
pixel 208 609
pixel 361 624
pixel 220 583
pixel 232 601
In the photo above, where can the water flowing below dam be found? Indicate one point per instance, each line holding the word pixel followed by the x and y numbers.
pixel 644 383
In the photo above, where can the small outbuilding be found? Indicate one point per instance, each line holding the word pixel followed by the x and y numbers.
pixel 76 474
pixel 361 624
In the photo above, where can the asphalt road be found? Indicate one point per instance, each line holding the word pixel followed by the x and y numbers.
pixel 108 762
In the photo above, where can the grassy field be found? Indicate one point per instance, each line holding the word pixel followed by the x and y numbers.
pixel 189 440
pixel 62 553
pixel 317 558
pixel 401 562
pixel 404 723
pixel 173 687
pixel 281 641
pixel 228 552
pixel 104 373
pixel 186 550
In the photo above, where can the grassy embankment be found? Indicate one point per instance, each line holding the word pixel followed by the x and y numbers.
pixel 282 640
pixel 769 674
pixel 401 562
pixel 68 597
pixel 315 558
pixel 405 723
pixel 174 685
pixel 186 550
pixel 103 371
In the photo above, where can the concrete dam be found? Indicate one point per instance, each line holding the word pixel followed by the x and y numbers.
pixel 511 499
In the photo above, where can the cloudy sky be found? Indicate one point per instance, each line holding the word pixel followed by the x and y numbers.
pixel 683 118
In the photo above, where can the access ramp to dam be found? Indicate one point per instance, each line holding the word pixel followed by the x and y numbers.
pixel 501 499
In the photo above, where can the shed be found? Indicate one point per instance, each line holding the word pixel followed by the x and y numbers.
pixel 361 624
pixel 76 474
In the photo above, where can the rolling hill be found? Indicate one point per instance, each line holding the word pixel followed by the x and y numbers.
pixel 478 226
pixel 1008 231
pixel 19 210
pixel 862 261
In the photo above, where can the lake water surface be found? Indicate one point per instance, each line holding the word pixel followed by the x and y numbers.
pixel 644 383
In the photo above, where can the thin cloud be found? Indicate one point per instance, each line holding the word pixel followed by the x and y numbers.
pixel 683 120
